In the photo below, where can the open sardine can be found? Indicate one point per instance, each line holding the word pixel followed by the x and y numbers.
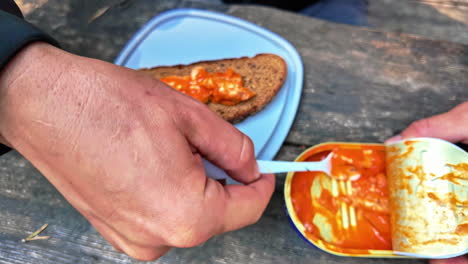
pixel 406 199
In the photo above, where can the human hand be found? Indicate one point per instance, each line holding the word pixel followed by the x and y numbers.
pixel 125 150
pixel 451 126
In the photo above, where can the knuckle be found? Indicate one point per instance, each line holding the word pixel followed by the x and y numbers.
pixel 187 235
pixel 150 235
pixel 256 217
pixel 462 107
pixel 189 228
pixel 149 232
pixel 142 255
pixel 464 104
pixel 192 112
pixel 421 127
pixel 191 116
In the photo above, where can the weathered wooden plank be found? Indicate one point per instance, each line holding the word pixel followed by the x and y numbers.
pixel 441 19
pixel 360 85
pixel 27 201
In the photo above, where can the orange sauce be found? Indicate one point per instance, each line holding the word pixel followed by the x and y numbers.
pixel 462 229
pixel 220 87
pixel 363 168
pixel 460 172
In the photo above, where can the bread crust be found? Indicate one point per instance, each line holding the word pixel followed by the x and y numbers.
pixel 264 74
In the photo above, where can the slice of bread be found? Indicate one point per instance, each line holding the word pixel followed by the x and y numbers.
pixel 264 74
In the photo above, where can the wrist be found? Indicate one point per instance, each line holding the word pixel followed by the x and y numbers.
pixel 22 79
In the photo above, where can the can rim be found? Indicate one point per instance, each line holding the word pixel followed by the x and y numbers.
pixel 427 139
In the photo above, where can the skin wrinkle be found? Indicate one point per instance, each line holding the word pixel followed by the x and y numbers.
pixel 116 133
pixel 180 122
pixel 54 85
pixel 160 149
pixel 110 152
pixel 116 198
pixel 76 120
pixel 85 106
pixel 23 71
pixel 102 224
pixel 125 185
pixel 44 123
pixel 185 172
pixel 115 212
pixel 126 182
pixel 220 194
pixel 79 125
pixel 144 225
pixel 135 156
pixel 205 187
pixel 169 191
pixel 99 77
pixel 55 129
pixel 141 225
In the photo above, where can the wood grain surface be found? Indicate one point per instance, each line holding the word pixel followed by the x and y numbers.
pixel 360 85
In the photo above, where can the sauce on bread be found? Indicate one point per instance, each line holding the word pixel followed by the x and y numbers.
pixel 264 74
pixel 224 88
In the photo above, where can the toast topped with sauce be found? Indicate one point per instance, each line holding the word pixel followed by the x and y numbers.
pixel 263 75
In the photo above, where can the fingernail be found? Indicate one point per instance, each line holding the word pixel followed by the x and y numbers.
pixel 257 172
pixel 393 139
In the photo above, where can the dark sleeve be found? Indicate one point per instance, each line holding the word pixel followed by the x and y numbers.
pixel 10 7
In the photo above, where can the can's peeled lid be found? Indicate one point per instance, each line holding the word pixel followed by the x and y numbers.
pixel 428 185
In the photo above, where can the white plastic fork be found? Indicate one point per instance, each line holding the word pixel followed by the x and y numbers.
pixel 267 166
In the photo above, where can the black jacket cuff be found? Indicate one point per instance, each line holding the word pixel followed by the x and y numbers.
pixel 10 7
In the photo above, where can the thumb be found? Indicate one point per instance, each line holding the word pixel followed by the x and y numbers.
pixel 225 146
pixel 451 126
pixel 245 204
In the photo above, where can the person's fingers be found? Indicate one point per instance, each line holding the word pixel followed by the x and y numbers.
pixel 451 126
pixel 244 205
pixel 393 139
pixel 221 143
pixel 457 260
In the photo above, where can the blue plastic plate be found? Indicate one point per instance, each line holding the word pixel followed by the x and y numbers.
pixel 184 36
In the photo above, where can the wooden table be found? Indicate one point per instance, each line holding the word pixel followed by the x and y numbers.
pixel 360 85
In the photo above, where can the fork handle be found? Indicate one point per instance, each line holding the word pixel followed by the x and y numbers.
pixel 268 166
